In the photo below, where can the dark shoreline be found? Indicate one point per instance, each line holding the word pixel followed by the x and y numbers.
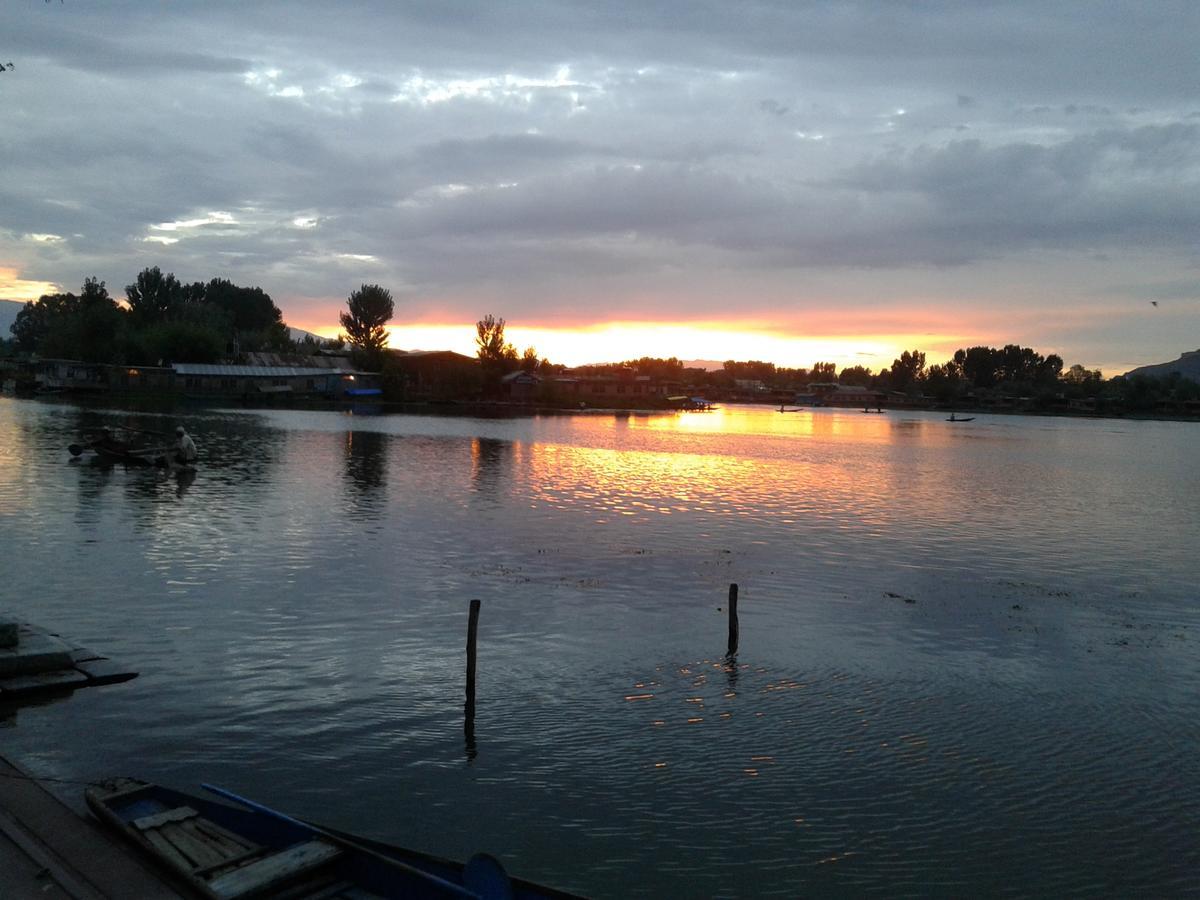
pixel 508 409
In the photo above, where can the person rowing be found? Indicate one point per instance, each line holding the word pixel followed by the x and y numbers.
pixel 185 448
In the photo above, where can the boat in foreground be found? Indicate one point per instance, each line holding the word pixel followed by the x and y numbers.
pixel 225 852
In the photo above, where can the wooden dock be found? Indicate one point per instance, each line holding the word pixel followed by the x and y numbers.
pixel 46 849
pixel 36 662
pixel 49 851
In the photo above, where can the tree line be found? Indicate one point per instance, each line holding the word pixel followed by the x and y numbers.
pixel 975 373
pixel 978 372
pixel 165 321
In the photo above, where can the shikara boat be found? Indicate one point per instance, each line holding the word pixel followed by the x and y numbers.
pixel 111 450
pixel 226 852
pixel 130 456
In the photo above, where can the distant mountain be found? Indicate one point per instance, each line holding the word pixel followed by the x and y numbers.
pixel 8 315
pixel 709 365
pixel 299 334
pixel 1188 365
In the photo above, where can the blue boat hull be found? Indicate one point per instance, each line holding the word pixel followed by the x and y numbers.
pixel 373 868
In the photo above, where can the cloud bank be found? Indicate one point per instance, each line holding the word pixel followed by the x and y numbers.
pixel 559 163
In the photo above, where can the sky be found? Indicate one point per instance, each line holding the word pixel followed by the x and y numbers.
pixel 787 181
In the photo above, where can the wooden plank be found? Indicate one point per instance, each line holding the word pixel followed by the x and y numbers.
pixel 178 814
pixel 167 851
pixel 33 870
pixel 189 845
pixel 273 869
pixel 224 849
pixel 228 865
pixel 225 838
pixel 104 671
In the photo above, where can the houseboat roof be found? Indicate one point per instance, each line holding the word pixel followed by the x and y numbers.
pixel 259 371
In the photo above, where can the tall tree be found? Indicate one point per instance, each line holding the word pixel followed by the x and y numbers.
pixel 370 307
pixel 490 343
pixel 36 318
pixel 907 370
pixel 856 375
pixel 824 371
pixel 497 357
pixel 249 309
pixel 154 297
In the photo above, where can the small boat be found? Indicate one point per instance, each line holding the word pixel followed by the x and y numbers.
pixel 954 418
pixel 111 450
pixel 227 852
pixel 130 456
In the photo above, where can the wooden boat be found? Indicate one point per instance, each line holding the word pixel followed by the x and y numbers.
pixel 130 456
pixel 227 852
pixel 111 450
pixel 954 418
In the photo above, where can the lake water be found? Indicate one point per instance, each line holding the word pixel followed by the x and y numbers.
pixel 969 660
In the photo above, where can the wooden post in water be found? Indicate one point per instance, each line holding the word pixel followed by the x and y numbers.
pixel 733 620
pixel 469 708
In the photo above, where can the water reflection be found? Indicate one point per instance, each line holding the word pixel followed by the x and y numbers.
pixel 955 655
pixel 491 467
pixel 366 468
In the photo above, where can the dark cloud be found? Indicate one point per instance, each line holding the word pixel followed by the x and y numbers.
pixel 1108 188
pixel 467 149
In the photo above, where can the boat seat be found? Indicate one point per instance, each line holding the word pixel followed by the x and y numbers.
pixel 233 866
pixel 273 870
pixel 192 843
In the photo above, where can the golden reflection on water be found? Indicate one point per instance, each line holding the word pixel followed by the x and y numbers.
pixel 750 462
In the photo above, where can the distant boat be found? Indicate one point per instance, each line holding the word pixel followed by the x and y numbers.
pixel 690 404
pixel 954 418
pixel 131 456
pixel 230 852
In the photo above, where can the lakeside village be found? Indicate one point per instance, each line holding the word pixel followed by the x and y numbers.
pixel 218 342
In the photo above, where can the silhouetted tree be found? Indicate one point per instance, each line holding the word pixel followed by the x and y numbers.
pixel 906 371
pixel 857 375
pixel 255 322
pixel 752 370
pixel 978 365
pixel 493 351
pixel 943 382
pixel 670 369
pixel 370 307
pixel 86 326
pixel 34 321
pixel 154 297
pixel 529 360
pixel 823 371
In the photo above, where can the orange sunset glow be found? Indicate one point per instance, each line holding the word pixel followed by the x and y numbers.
pixel 13 287
pixel 619 341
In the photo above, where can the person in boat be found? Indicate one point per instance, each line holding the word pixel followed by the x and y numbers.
pixel 185 448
